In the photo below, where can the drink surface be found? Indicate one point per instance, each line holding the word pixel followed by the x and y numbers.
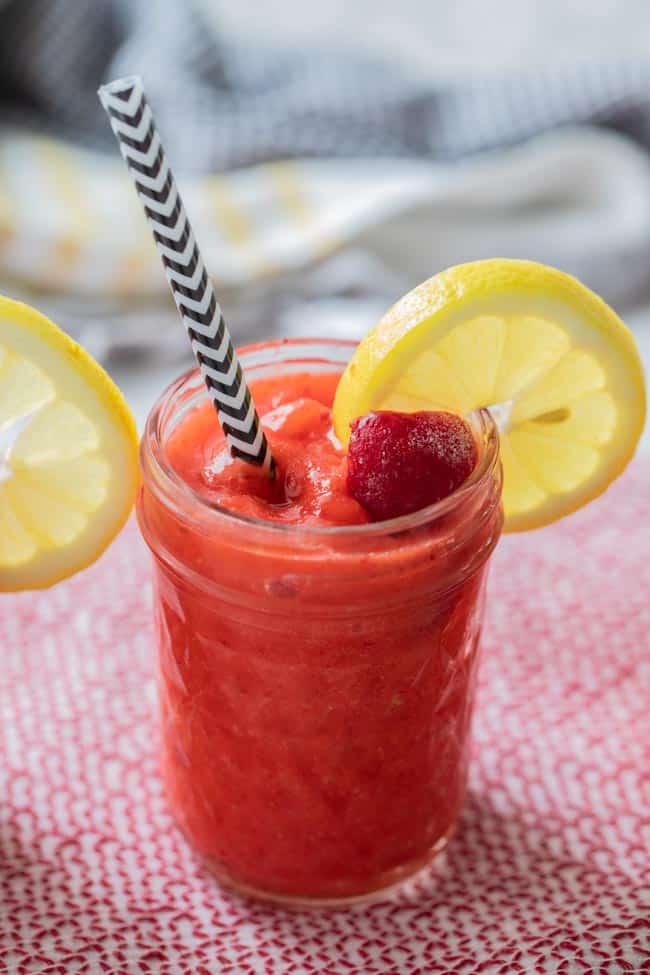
pixel 310 488
pixel 316 694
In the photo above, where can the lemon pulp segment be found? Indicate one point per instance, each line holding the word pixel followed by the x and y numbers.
pixel 68 452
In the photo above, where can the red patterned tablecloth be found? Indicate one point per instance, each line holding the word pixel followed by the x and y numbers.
pixel 548 873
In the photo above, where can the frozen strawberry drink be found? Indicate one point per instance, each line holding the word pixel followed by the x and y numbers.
pixel 317 665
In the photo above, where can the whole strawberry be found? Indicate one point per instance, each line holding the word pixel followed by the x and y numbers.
pixel 401 462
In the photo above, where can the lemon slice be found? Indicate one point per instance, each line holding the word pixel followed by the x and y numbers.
pixel 68 453
pixel 559 368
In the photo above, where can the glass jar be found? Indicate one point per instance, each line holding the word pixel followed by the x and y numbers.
pixel 316 683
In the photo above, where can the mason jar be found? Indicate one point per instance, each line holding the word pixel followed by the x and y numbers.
pixel 316 683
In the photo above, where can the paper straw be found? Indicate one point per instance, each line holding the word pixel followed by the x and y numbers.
pixel 140 144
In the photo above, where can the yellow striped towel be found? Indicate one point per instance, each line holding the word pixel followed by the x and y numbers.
pixel 70 222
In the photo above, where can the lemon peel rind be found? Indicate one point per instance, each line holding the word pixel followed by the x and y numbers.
pixel 425 315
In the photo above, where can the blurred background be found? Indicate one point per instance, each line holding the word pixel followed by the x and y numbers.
pixel 330 156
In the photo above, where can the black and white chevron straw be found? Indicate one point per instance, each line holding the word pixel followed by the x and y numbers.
pixel 140 144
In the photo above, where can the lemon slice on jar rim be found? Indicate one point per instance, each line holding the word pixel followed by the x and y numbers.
pixel 68 453
pixel 557 366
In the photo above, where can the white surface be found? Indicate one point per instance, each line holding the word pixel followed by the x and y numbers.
pixel 640 323
pixel 435 38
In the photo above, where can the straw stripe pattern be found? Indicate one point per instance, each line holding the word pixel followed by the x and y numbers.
pixel 134 127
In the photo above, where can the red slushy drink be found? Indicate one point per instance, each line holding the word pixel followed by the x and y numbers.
pixel 317 669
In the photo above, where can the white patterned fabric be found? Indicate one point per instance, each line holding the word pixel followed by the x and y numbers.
pixel 225 104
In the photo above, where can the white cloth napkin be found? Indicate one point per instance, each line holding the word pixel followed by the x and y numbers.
pixel 312 246
pixel 577 198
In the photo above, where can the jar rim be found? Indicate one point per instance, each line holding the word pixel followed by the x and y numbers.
pixel 155 462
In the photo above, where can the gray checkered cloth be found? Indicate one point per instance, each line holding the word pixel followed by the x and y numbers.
pixel 225 105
